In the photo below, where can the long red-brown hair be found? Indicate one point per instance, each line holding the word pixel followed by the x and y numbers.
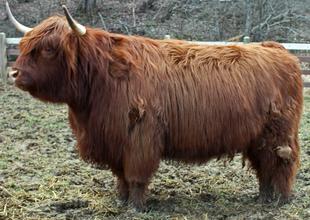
pixel 153 99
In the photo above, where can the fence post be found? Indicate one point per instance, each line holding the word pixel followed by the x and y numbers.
pixel 167 37
pixel 246 39
pixel 3 57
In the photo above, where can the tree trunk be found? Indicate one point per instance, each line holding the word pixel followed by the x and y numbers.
pixel 89 5
pixel 249 18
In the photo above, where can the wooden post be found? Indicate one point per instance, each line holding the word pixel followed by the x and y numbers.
pixel 167 37
pixel 246 39
pixel 3 57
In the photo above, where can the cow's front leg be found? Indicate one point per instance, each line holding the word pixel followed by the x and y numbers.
pixel 123 189
pixel 137 195
pixel 141 159
pixel 122 185
pixel 139 167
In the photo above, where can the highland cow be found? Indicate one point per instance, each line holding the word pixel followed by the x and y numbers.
pixel 134 101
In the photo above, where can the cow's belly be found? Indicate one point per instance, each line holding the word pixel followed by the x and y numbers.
pixel 212 137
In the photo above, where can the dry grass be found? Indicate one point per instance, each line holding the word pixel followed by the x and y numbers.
pixel 42 177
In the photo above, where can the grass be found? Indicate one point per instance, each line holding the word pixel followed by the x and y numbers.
pixel 42 177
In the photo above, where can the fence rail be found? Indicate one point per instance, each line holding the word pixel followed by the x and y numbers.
pixel 8 48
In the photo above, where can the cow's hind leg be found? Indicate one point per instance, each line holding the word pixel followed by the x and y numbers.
pixel 275 170
pixel 258 159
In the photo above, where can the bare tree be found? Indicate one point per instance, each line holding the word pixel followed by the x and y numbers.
pixel 88 5
pixel 286 20
pixel 249 18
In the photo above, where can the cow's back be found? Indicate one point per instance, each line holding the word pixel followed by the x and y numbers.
pixel 218 98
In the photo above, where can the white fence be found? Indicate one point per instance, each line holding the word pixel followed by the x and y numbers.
pixel 8 48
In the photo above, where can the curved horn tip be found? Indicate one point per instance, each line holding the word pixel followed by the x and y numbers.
pixel 22 28
pixel 64 7
pixel 75 26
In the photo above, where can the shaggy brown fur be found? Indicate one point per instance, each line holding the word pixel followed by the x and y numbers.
pixel 134 101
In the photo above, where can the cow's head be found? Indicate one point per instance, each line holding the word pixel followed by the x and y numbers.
pixel 48 57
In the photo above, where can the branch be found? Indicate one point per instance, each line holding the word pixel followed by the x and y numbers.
pixel 271 21
pixel 262 24
pixel 102 21
pixel 279 23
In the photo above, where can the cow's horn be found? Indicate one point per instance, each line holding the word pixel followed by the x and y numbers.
pixel 75 26
pixel 19 26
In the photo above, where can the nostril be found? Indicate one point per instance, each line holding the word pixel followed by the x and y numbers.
pixel 13 73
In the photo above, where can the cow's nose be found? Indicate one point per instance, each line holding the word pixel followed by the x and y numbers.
pixel 13 74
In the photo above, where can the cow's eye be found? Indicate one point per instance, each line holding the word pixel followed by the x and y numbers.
pixel 48 51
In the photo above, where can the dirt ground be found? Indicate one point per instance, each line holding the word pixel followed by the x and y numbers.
pixel 42 177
